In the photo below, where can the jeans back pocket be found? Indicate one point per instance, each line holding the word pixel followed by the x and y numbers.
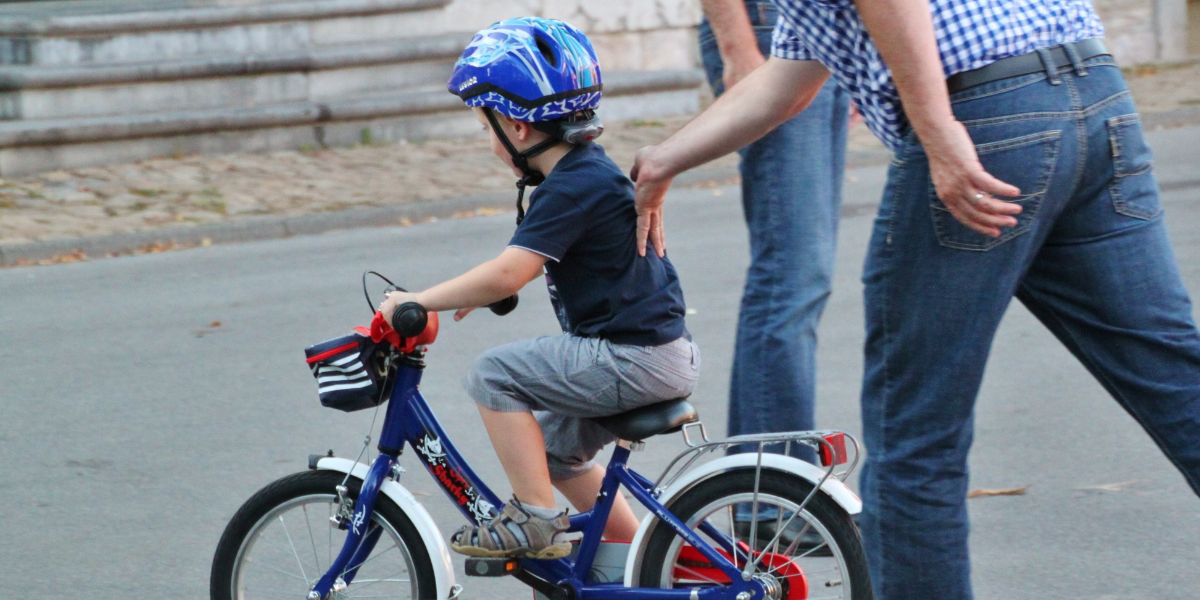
pixel 1026 162
pixel 1133 189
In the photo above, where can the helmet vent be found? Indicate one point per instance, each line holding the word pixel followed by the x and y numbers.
pixel 547 52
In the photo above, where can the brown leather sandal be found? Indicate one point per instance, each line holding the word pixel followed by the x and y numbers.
pixel 515 534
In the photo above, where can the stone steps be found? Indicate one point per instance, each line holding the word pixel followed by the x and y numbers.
pixel 229 81
pixel 89 82
pixel 31 146
pixel 110 32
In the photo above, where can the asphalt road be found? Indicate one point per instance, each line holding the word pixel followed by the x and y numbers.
pixel 132 426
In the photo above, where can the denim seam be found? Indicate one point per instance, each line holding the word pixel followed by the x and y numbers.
pixel 1080 135
pixel 1015 142
pixel 886 252
pixel 1032 116
pixel 1105 103
pixel 1086 358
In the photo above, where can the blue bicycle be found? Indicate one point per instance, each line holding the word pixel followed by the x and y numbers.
pixel 749 526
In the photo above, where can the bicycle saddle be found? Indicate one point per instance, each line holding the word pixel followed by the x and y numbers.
pixel 638 424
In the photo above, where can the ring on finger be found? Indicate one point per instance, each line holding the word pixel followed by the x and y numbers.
pixel 977 197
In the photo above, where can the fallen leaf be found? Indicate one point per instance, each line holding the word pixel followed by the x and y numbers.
pixel 1008 492
pixel 215 324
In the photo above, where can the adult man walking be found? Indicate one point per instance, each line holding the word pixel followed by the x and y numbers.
pixel 791 197
pixel 1020 170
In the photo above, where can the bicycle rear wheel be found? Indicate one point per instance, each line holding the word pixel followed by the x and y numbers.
pixel 281 542
pixel 818 555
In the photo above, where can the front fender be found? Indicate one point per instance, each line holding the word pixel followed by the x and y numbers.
pixel 439 555
pixel 834 488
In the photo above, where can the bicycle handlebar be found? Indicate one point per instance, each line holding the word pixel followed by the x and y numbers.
pixel 410 319
pixel 505 306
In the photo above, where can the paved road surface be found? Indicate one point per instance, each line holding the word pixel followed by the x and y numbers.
pixel 131 427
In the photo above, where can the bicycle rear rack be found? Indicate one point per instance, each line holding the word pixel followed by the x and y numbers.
pixel 829 444
pixel 822 441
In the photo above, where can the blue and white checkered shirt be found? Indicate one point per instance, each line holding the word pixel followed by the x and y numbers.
pixel 970 34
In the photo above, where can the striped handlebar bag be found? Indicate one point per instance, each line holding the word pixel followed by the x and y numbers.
pixel 347 377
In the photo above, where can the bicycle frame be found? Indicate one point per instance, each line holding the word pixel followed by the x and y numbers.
pixel 410 420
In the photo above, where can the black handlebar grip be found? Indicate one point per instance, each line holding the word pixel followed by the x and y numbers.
pixel 505 306
pixel 409 319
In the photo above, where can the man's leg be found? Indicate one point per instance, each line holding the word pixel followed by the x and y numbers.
pixel 935 292
pixel 791 194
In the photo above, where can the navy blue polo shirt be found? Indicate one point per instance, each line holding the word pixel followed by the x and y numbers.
pixel 582 218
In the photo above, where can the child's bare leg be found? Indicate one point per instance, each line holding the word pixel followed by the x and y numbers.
pixel 582 490
pixel 518 441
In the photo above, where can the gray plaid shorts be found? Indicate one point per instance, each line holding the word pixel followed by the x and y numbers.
pixel 566 379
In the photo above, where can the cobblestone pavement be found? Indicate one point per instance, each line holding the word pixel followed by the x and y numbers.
pixel 210 189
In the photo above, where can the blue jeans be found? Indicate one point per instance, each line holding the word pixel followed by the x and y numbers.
pixel 1090 259
pixel 791 195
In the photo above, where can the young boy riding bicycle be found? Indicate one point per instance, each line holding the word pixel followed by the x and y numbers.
pixel 535 84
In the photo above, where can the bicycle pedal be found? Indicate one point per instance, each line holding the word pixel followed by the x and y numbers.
pixel 492 567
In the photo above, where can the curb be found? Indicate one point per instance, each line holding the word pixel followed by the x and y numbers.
pixel 251 229
pixel 271 228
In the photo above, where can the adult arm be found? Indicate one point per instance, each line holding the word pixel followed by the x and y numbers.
pixel 770 95
pixel 493 280
pixel 735 39
pixel 903 32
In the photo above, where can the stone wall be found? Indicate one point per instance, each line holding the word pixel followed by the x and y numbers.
pixel 628 34
pixel 661 34
pixel 1141 31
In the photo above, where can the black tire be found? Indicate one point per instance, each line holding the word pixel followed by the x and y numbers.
pixel 316 488
pixel 727 490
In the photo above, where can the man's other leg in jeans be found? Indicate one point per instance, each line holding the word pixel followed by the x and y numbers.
pixel 1106 283
pixel 791 195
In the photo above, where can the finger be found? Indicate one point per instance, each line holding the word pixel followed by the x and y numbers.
pixel 983 222
pixel 643 230
pixel 984 182
pixel 995 206
pixel 660 238
pixel 633 172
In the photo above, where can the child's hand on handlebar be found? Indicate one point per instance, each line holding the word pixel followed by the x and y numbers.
pixel 394 299
pixel 461 313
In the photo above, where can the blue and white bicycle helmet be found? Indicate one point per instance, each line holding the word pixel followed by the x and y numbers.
pixel 535 70
pixel 530 69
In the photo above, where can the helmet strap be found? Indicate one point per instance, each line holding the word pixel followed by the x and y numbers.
pixel 529 177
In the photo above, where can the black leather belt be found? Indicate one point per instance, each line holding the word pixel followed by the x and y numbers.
pixel 1025 64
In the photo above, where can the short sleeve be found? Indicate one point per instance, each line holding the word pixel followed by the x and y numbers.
pixel 553 223
pixel 785 42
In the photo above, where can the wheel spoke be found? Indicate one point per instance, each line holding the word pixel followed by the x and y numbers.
pixel 312 540
pixel 697 574
pixel 282 572
pixel 275 544
pixel 394 546
pixel 373 582
pixel 294 553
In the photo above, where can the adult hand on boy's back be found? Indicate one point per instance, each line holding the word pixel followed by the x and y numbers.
pixel 650 189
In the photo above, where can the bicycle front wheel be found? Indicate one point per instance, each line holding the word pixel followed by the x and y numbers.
pixel 281 542
pixel 810 554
